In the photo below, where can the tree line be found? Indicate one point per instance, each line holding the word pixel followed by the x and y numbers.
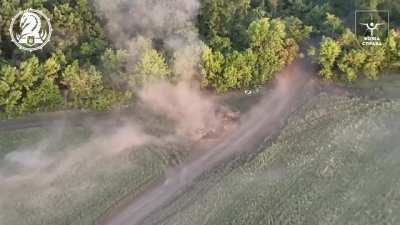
pixel 250 40
pixel 247 43
pixel 78 69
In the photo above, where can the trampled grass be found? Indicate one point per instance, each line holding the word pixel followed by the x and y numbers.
pixel 336 162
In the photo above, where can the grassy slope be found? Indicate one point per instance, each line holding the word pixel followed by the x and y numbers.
pixel 87 188
pixel 336 162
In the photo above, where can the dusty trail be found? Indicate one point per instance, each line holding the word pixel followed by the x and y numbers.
pixel 291 87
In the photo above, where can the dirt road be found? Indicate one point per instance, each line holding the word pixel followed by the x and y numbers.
pixel 260 123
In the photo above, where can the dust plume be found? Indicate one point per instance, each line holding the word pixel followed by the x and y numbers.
pixel 170 24
pixel 195 114
pixel 40 162
pixel 257 126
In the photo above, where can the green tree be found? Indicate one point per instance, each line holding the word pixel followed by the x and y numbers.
pixel 45 97
pixel 149 68
pixel 114 64
pixel 296 29
pixel 10 94
pixel 376 61
pixel 351 63
pixel 29 88
pixel 238 71
pixel 30 71
pixel 329 51
pixel 333 25
pixel 146 64
pixel 224 19
pixel 274 47
pixel 348 39
pixel 266 40
pixel 46 94
pixel 393 46
pixel 84 85
pixel 17 83
pixel 273 43
pixel 212 68
pixel 315 15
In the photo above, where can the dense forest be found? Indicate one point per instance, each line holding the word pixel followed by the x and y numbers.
pixel 246 43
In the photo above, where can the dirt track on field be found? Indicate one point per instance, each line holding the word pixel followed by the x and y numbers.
pixel 256 127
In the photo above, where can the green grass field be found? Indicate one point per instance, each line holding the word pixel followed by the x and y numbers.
pixel 387 86
pixel 336 162
pixel 81 183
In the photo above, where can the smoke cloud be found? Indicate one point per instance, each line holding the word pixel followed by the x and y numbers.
pixel 194 113
pixel 170 23
pixel 290 90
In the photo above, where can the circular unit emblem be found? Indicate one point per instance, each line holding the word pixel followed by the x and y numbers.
pixel 30 30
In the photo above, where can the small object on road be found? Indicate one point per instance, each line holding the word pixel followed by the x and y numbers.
pixel 254 91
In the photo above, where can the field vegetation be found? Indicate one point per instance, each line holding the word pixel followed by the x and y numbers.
pixel 336 162
pixel 66 175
